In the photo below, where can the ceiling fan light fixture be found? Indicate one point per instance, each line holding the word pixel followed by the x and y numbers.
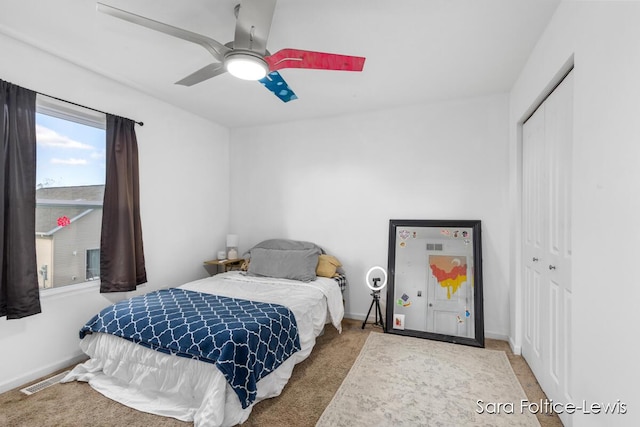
pixel 246 66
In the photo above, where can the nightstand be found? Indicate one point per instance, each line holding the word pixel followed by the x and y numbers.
pixel 216 266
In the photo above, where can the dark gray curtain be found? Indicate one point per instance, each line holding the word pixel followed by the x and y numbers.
pixel 121 252
pixel 19 293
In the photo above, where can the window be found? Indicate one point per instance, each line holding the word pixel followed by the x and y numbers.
pixel 70 177
pixel 93 264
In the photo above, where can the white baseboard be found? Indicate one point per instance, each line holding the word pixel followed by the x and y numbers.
pixel 496 336
pixel 41 372
pixel 354 316
pixel 516 349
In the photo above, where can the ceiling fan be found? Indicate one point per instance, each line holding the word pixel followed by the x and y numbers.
pixel 247 57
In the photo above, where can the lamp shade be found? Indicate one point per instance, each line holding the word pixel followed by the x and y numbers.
pixel 232 240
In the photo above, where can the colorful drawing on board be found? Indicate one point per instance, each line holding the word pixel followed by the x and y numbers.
pixel 449 271
pixel 64 221
pixel 467 313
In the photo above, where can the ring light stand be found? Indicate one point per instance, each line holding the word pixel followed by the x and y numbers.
pixel 372 283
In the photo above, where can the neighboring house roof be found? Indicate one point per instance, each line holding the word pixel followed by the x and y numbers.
pixel 72 202
pixel 79 192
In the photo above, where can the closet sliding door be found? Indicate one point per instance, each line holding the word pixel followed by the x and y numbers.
pixel 546 222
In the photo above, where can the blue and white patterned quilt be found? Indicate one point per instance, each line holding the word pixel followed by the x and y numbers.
pixel 246 340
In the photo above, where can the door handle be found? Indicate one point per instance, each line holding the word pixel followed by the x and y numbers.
pixel 552 267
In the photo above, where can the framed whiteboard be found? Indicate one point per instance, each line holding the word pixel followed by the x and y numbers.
pixel 435 280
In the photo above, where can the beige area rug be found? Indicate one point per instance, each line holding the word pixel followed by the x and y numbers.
pixel 404 381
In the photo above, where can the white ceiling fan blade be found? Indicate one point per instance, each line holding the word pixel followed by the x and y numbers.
pixel 253 25
pixel 214 47
pixel 203 74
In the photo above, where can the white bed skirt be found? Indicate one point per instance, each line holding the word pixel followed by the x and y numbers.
pixel 171 386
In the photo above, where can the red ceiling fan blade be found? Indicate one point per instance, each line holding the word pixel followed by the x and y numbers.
pixel 295 58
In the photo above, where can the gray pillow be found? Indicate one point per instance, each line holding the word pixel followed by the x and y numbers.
pixel 284 244
pixel 299 264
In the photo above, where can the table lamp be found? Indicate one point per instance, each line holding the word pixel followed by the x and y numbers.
pixel 232 246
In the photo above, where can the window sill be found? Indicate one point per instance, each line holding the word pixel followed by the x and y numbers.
pixel 76 288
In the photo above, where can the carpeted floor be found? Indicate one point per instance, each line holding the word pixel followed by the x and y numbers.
pixel 310 389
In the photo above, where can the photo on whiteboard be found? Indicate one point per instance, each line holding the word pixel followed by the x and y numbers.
pixel 398 321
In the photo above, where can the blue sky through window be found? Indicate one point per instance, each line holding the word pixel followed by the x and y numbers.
pixel 68 153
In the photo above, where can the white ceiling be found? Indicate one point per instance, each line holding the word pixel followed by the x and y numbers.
pixel 417 50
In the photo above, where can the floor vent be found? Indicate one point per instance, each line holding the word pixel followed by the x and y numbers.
pixel 34 388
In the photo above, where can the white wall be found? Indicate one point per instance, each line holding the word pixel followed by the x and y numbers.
pixel 338 181
pixel 184 204
pixel 603 37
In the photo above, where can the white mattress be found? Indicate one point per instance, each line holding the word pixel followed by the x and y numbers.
pixel 191 390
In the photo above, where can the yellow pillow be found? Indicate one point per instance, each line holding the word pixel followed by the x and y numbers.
pixel 327 265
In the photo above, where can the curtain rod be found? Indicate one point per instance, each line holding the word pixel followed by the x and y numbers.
pixel 80 105
pixel 77 105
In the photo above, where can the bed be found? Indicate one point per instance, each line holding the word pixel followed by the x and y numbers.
pixel 189 383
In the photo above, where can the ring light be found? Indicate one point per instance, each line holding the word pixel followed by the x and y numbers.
pixel 384 280
pixel 376 288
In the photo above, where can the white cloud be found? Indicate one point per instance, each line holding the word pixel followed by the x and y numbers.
pixel 97 155
pixel 71 161
pixel 50 138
